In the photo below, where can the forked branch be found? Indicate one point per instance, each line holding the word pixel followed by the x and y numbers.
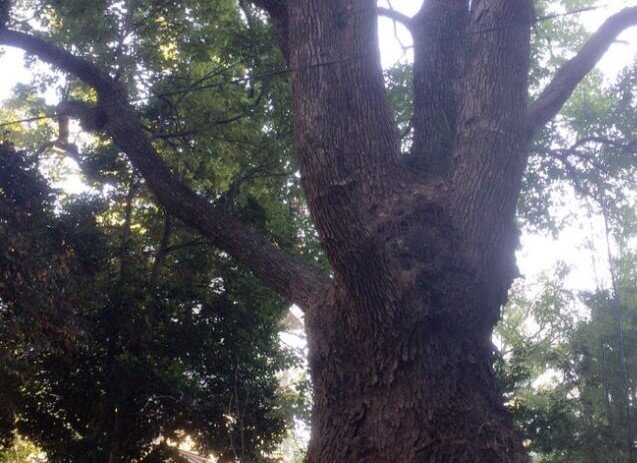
pixel 295 280
pixel 571 74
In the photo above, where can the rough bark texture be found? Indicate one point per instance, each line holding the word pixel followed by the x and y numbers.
pixel 400 349
pixel 422 249
pixel 440 35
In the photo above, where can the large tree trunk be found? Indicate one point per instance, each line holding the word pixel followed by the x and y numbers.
pixel 400 351
pixel 408 391
pixel 404 374
pixel 401 355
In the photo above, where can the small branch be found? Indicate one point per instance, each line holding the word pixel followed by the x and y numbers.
pixel 126 229
pixel 188 244
pixel 577 177
pixel 396 16
pixel 574 175
pixel 628 147
pixel 571 74
pixel 171 135
pixel 160 257
pixel 563 154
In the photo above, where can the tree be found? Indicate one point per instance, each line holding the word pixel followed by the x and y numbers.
pixel 22 451
pixel 569 382
pixel 535 335
pixel 420 246
pixel 568 361
pixel 105 347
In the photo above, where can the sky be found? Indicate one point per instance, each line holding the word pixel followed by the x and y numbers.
pixel 539 253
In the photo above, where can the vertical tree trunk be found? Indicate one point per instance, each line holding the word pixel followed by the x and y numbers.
pixel 401 353
pixel 416 388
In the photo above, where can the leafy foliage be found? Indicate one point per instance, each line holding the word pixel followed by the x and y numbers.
pixel 22 451
pixel 143 346
pixel 165 334
pixel 119 325
pixel 571 380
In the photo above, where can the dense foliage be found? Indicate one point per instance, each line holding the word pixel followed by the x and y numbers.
pixel 568 360
pixel 112 341
pixel 569 370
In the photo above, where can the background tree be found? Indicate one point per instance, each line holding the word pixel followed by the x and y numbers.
pixel 568 359
pixel 570 380
pixel 22 451
pixel 112 346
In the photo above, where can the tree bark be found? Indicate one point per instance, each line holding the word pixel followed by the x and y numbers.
pixel 440 36
pixel 400 349
pixel 418 389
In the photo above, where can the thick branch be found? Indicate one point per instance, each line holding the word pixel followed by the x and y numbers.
pixel 570 75
pixel 346 143
pixel 440 36
pixel 299 282
pixel 91 117
pixel 79 67
pixel 489 147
